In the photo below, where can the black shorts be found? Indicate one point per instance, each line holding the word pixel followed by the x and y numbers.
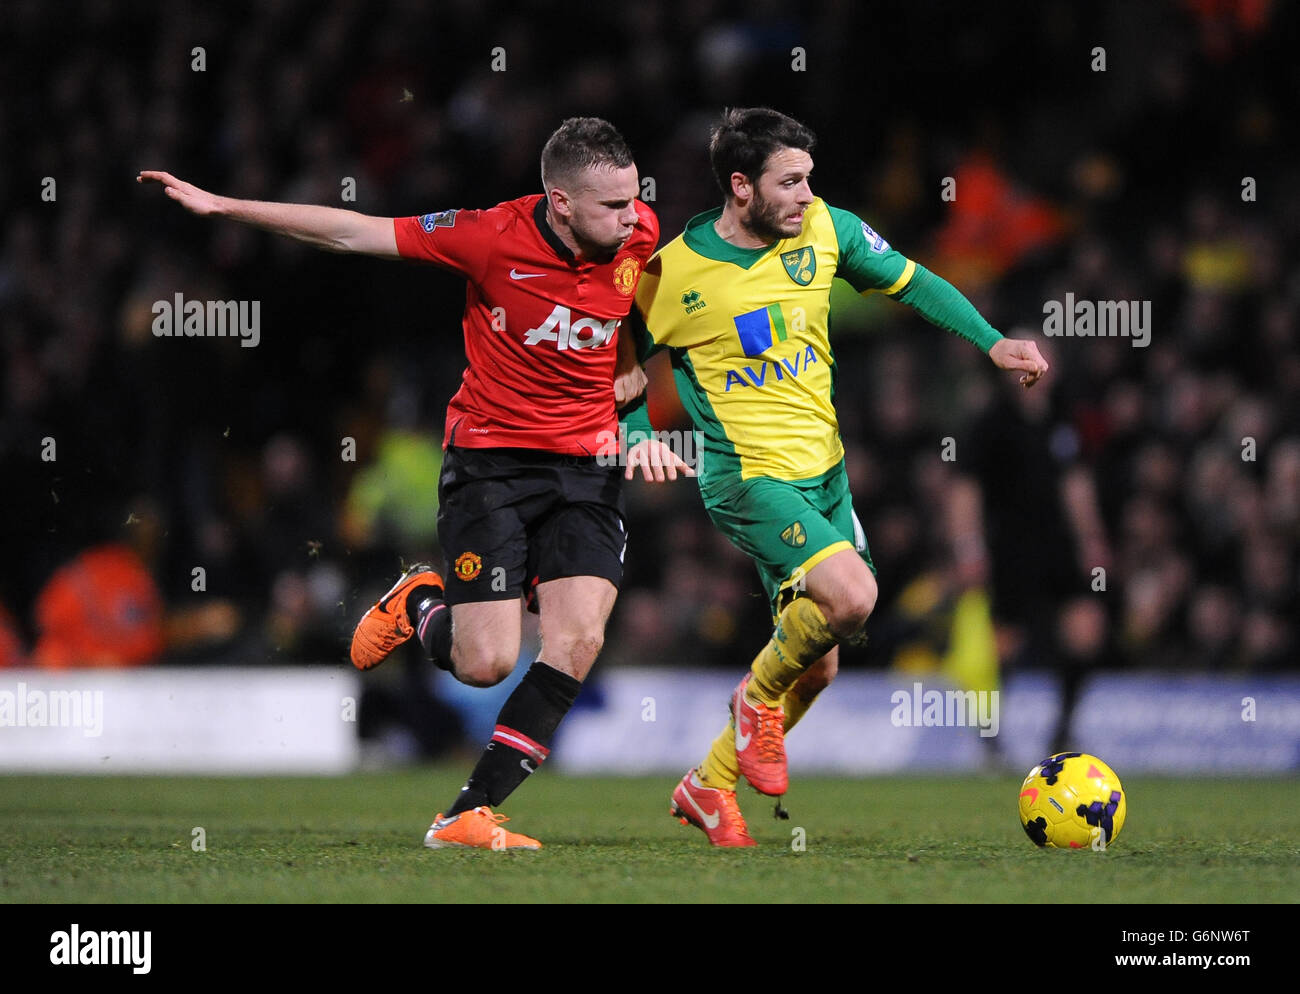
pixel 509 519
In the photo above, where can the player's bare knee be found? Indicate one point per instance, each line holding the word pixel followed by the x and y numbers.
pixel 847 614
pixel 482 675
pixel 482 669
pixel 863 601
pixel 847 617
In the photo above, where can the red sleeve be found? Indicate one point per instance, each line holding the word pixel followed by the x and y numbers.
pixel 458 240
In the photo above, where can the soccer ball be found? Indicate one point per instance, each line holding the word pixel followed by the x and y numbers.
pixel 1072 801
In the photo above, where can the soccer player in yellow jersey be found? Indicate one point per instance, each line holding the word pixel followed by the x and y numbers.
pixel 741 302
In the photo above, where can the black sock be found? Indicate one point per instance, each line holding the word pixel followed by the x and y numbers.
pixel 522 737
pixel 432 621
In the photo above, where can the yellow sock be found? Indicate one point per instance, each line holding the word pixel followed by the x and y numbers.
pixel 801 638
pixel 719 769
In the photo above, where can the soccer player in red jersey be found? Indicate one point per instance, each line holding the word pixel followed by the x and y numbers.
pixel 525 504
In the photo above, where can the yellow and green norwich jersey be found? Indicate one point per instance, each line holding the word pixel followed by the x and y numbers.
pixel 747 330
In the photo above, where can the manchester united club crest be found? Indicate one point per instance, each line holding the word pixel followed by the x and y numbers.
pixel 468 565
pixel 626 275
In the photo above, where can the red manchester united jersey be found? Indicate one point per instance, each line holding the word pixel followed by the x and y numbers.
pixel 540 325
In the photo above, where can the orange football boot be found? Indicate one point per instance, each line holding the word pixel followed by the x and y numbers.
pixel 477 829
pixel 760 742
pixel 386 625
pixel 713 810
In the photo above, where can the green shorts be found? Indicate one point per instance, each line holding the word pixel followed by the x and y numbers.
pixel 788 527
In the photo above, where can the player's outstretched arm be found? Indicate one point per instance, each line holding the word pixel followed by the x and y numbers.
pixel 942 304
pixel 329 228
pixel 1022 354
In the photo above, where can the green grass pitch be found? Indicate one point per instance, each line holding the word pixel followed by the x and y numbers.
pixel 357 839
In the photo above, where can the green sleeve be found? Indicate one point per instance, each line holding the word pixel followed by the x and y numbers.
pixel 868 263
pixel 635 325
pixel 634 420
pixel 866 260
pixel 942 304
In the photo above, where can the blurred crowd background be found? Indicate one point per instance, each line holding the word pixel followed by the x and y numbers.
pixel 1139 508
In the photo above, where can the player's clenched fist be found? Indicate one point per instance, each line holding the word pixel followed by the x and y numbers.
pixel 1022 354
pixel 187 195
pixel 629 385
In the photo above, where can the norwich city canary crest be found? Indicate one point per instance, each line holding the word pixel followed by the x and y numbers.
pixel 801 264
pixel 795 536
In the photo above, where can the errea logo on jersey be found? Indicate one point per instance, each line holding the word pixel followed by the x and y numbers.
pixel 560 328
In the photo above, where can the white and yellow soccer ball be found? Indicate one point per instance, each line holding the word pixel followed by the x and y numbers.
pixel 1072 801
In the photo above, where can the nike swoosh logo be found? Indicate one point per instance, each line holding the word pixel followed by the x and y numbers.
pixel 516 275
pixel 710 820
pixel 524 764
pixel 742 741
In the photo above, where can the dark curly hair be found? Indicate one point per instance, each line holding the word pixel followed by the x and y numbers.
pixel 745 137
